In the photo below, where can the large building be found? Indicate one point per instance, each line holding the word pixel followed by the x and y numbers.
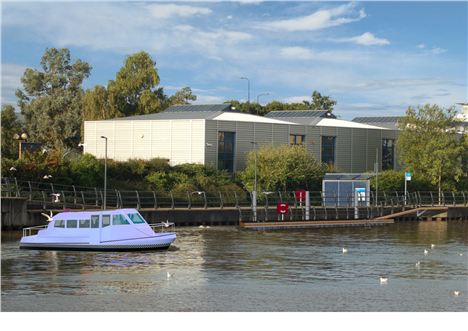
pixel 220 136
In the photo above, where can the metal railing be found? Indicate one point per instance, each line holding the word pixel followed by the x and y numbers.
pixel 32 230
pixel 162 227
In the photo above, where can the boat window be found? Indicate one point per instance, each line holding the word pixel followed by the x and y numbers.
pixel 59 224
pixel 119 220
pixel 136 218
pixel 84 223
pixel 72 223
pixel 95 221
pixel 105 220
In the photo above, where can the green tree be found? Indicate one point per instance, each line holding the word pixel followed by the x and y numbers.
pixel 51 99
pixel 320 102
pixel 182 97
pixel 282 168
pixel 430 145
pixel 10 127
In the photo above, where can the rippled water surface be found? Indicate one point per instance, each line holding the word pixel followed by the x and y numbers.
pixel 226 269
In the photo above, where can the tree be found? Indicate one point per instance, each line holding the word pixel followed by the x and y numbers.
pixel 430 145
pixel 51 99
pixel 182 97
pixel 282 168
pixel 321 102
pixel 10 127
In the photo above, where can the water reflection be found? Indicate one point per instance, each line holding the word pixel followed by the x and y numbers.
pixel 224 268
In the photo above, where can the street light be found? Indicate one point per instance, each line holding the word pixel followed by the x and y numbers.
pixel 248 88
pixel 105 172
pixel 261 94
pixel 254 192
pixel 20 138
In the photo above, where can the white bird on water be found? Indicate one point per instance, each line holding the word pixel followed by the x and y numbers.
pixel 345 250
pixel 201 227
pixel 426 252
pixel 432 246
pixel 383 280
pixel 456 293
pixel 169 275
pixel 461 254
pixel 418 264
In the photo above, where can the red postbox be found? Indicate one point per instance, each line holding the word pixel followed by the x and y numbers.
pixel 282 208
pixel 300 195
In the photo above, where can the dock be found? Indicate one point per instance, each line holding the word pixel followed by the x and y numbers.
pixel 283 225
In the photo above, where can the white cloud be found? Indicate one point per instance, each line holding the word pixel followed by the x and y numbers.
pixel 321 19
pixel 163 11
pixel 11 81
pixel 421 46
pixel 296 53
pixel 209 99
pixel 438 50
pixel 366 39
pixel 297 99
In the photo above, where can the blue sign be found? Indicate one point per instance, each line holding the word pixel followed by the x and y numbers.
pixel 407 175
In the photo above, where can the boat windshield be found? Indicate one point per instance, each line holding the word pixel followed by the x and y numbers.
pixel 119 220
pixel 136 218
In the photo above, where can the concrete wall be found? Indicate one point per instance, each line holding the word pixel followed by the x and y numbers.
pixel 180 141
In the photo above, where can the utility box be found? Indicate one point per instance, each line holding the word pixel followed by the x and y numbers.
pixel 346 189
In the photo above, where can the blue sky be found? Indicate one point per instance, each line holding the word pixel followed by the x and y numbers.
pixel 374 58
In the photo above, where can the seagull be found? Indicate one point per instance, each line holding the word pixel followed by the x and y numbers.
pixel 426 252
pixel 383 280
pixel 49 217
pixel 169 275
pixel 461 254
pixel 418 264
pixel 456 293
pixel 47 176
pixel 166 224
pixel 207 226
pixel 345 250
pixel 432 246
pixel 56 197
pixel 201 227
pixel 12 169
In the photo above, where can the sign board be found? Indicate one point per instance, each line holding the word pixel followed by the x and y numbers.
pixel 300 195
pixel 282 208
pixel 407 175
pixel 360 193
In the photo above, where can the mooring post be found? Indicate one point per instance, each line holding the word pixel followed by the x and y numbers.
pixel 307 205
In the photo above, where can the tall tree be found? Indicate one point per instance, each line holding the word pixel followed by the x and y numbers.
pixel 10 127
pixel 51 99
pixel 430 145
pixel 321 102
pixel 182 97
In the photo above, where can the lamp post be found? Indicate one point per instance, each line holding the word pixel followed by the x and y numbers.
pixel 258 98
pixel 105 171
pixel 248 88
pixel 20 138
pixel 254 192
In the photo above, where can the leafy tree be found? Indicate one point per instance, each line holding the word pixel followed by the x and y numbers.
pixel 392 180
pixel 321 102
pixel 430 145
pixel 182 97
pixel 51 99
pixel 10 127
pixel 282 168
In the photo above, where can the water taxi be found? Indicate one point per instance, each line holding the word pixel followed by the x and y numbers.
pixel 111 230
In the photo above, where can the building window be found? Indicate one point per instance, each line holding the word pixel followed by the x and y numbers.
pixel 226 141
pixel 388 154
pixel 296 139
pixel 328 149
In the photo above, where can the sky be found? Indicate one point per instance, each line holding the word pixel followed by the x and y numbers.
pixel 373 58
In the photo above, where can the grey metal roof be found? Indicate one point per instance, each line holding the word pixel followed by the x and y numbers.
pixel 173 115
pixel 199 108
pixel 348 176
pixel 389 122
pixel 300 113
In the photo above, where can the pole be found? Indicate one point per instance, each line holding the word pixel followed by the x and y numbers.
pixel 376 176
pixel 405 188
pixel 254 193
pixel 105 172
pixel 248 88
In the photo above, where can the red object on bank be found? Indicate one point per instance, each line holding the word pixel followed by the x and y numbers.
pixel 282 208
pixel 300 195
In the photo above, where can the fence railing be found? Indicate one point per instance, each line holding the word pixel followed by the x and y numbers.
pixel 44 195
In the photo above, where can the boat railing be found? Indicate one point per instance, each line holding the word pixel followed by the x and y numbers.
pixel 162 227
pixel 32 230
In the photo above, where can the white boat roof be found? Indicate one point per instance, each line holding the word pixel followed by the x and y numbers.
pixel 72 215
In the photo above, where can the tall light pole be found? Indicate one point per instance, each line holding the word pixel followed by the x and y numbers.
pixel 258 99
pixel 248 88
pixel 254 193
pixel 105 171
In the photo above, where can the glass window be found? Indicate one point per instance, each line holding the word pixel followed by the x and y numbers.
pixel 388 154
pixel 72 224
pixel 59 224
pixel 84 223
pixel 296 139
pixel 328 149
pixel 95 221
pixel 105 220
pixel 119 220
pixel 226 148
pixel 136 218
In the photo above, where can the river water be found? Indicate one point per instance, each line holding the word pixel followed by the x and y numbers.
pixel 227 269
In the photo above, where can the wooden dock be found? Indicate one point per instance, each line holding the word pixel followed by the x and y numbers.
pixel 282 225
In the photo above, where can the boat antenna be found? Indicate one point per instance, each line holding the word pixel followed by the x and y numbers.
pixel 49 217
